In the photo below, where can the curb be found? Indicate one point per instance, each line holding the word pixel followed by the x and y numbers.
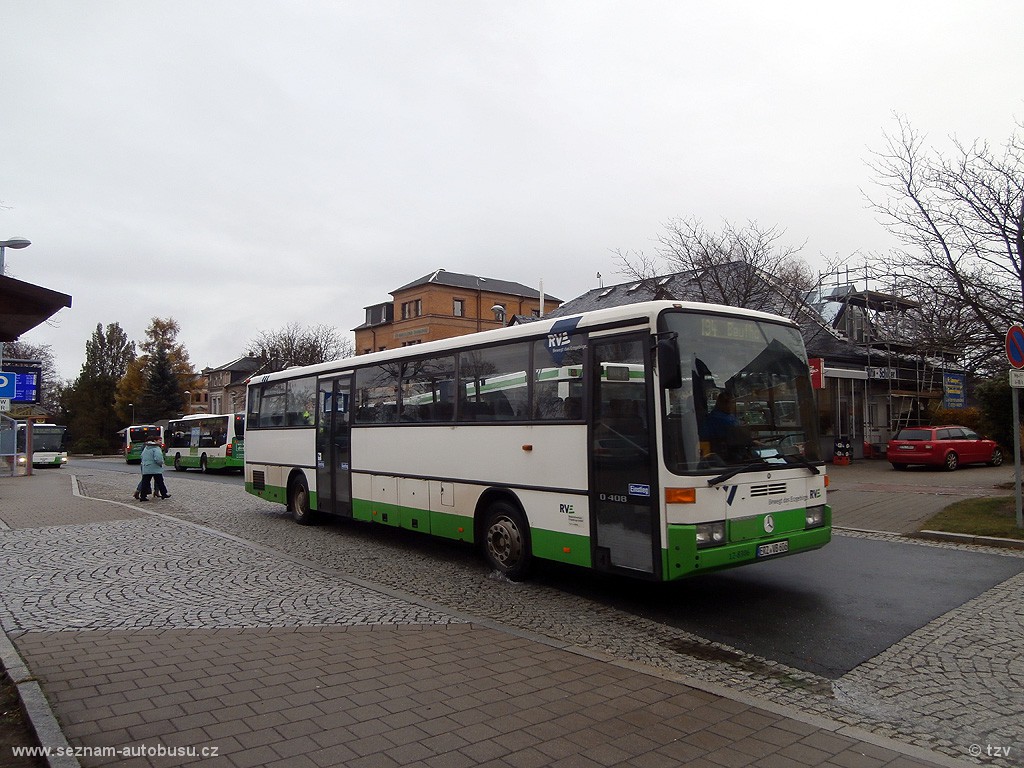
pixel 36 708
pixel 968 538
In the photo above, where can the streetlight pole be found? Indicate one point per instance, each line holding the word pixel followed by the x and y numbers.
pixel 479 294
pixel 16 243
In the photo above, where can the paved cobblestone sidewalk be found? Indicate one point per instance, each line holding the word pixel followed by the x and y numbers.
pixel 148 630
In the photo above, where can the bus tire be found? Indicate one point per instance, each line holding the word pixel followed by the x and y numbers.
pixel 202 463
pixel 506 540
pixel 178 466
pixel 298 502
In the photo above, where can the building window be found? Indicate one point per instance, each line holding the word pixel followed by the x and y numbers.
pixel 412 309
pixel 459 307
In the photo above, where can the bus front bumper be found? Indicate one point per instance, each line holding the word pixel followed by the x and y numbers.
pixel 683 558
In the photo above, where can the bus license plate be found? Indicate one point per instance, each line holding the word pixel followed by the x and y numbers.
pixel 778 548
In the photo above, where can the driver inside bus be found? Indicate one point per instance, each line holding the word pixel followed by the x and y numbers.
pixel 728 436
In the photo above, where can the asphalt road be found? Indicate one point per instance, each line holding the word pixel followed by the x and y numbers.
pixel 114 464
pixel 828 611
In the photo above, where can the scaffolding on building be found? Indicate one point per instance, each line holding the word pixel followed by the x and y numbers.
pixel 905 367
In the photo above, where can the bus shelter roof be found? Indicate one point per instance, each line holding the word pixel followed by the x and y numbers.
pixel 23 306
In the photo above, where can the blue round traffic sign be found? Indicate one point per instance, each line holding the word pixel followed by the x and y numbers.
pixel 1015 346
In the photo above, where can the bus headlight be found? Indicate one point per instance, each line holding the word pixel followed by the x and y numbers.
pixel 710 534
pixel 815 517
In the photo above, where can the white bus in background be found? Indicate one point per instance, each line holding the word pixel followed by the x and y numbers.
pixel 206 441
pixel 585 440
pixel 48 449
pixel 134 439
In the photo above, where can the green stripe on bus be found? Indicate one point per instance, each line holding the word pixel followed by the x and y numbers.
pixel 682 558
pixel 268 493
pixel 563 547
pixel 548 545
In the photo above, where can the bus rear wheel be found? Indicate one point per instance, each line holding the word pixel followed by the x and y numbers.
pixel 298 502
pixel 178 466
pixel 507 541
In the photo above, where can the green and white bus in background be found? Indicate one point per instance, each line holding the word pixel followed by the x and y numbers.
pixel 589 440
pixel 48 449
pixel 134 439
pixel 206 441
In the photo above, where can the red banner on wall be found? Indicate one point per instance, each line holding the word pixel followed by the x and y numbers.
pixel 817 372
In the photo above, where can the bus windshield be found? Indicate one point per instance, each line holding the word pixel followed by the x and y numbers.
pixel 144 434
pixel 45 438
pixel 745 399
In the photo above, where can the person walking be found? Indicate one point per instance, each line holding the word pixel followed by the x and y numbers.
pixel 152 471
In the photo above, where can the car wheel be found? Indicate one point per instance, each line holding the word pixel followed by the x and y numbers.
pixel 952 461
pixel 507 541
pixel 898 467
pixel 997 458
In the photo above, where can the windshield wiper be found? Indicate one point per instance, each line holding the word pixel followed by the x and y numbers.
pixel 799 461
pixel 737 471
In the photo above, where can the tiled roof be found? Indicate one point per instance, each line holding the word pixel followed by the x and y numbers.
pixel 819 338
pixel 474 282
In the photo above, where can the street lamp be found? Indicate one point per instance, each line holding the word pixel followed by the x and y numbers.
pixel 132 406
pixel 14 242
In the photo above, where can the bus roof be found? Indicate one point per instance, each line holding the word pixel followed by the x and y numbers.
pixel 198 416
pixel 640 312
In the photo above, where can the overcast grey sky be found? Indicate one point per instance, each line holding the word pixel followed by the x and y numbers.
pixel 242 165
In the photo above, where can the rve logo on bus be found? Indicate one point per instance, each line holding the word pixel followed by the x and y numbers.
pixel 560 337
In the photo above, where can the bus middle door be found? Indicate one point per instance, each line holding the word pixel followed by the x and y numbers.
pixel 334 446
pixel 623 489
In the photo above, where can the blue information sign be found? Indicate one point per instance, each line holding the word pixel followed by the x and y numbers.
pixel 1015 346
pixel 21 387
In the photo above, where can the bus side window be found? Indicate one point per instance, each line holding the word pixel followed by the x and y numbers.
pixel 574 408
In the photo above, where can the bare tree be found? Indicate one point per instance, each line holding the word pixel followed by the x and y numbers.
pixel 961 220
pixel 746 266
pixel 296 344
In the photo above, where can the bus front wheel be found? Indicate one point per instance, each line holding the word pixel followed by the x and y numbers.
pixel 298 503
pixel 507 540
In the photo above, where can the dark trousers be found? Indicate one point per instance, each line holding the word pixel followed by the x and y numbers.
pixel 158 483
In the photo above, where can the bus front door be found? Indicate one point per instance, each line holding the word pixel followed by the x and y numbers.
pixel 623 489
pixel 334 447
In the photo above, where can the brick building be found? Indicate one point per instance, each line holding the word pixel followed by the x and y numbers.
pixel 446 304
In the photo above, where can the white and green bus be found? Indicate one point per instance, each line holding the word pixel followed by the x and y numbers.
pixel 591 440
pixel 134 439
pixel 48 449
pixel 206 441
